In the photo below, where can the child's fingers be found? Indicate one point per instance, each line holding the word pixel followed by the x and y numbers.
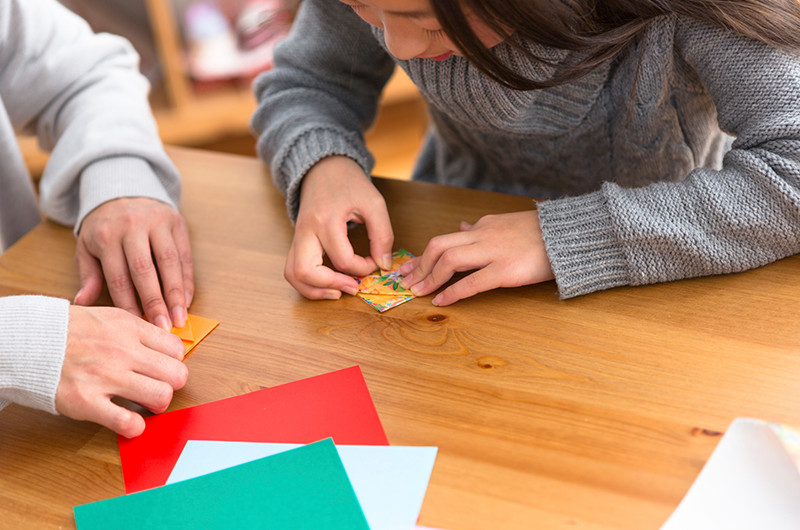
pixel 306 272
pixel 336 245
pixel 479 281
pixel 432 256
pixel 381 238
pixel 456 259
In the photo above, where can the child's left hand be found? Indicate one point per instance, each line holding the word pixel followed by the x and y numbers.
pixel 507 250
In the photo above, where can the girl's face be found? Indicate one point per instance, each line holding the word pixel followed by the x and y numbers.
pixel 411 29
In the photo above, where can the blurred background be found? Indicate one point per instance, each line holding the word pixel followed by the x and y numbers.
pixel 201 57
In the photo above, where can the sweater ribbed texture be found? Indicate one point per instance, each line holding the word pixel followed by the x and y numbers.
pixel 34 339
pixel 637 159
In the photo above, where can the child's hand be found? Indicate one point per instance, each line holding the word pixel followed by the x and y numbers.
pixel 507 250
pixel 113 353
pixel 334 192
pixel 132 243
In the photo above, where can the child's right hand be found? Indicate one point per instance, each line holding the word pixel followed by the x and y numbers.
pixel 334 192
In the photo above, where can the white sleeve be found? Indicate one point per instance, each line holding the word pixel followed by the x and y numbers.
pixel 82 95
pixel 33 340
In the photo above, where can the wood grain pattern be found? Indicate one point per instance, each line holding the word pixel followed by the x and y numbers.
pixel 593 413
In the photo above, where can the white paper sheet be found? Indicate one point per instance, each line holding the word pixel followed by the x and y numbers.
pixel 749 482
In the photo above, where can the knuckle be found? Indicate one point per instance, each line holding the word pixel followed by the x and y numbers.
pixel 119 282
pixel 152 304
pixel 435 245
pixel 141 265
pixel 120 422
pixel 303 274
pixel 186 256
pixel 174 293
pixel 104 235
pixel 168 257
pixel 448 260
pixel 181 377
pixel 161 393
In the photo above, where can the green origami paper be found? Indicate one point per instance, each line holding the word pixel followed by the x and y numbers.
pixel 304 488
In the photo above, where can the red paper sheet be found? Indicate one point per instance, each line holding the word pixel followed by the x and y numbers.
pixel 335 405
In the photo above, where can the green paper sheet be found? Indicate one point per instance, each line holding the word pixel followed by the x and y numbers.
pixel 304 488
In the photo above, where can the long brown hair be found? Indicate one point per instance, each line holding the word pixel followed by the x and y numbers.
pixel 600 28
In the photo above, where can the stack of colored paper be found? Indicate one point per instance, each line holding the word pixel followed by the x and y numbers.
pixel 308 454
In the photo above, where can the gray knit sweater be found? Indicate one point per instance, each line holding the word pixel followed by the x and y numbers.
pixel 643 184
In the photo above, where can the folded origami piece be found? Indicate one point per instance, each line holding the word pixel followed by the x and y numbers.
pixel 382 290
pixel 194 331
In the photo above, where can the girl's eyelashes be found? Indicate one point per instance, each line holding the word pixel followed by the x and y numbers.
pixel 433 33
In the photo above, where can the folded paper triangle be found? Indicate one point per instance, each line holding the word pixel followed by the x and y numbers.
pixel 195 330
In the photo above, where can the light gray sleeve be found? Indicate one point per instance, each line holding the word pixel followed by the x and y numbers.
pixel 715 221
pixel 321 95
pixel 81 94
pixel 33 340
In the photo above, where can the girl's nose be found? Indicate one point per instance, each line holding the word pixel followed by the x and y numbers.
pixel 404 39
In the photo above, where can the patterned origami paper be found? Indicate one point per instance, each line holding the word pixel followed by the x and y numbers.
pixel 195 330
pixel 382 290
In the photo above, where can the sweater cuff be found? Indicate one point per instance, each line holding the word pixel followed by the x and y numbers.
pixel 116 177
pixel 33 340
pixel 584 252
pixel 309 149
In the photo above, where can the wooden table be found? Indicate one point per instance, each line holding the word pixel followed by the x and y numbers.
pixel 596 412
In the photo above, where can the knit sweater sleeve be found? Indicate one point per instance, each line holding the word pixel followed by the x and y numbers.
pixel 745 215
pixel 320 96
pixel 83 97
pixel 33 339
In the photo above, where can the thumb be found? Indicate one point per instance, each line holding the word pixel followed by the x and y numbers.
pixel 90 274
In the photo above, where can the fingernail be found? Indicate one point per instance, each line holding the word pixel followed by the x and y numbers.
pixel 179 316
pixel 163 323
pixel 415 289
pixel 387 262
pixel 405 268
pixel 188 296
pixel 437 300
pixel 351 289
pixel 77 295
pixel 332 295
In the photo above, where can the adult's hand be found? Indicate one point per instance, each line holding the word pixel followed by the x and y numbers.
pixel 113 353
pixel 139 246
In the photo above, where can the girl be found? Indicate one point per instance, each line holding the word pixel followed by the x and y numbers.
pixel 622 113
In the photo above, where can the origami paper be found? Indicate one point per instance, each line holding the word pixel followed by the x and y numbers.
pixel 305 488
pixel 389 481
pixel 750 481
pixel 195 330
pixel 382 290
pixel 336 404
